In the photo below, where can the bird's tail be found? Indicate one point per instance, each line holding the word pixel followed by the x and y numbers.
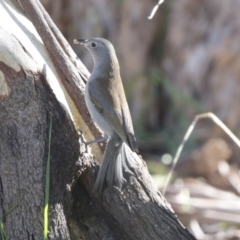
pixel 117 160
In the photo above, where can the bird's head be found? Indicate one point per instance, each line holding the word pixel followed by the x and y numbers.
pixel 100 49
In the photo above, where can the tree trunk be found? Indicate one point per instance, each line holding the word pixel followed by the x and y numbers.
pixel 39 81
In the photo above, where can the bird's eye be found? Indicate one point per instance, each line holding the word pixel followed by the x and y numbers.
pixel 93 44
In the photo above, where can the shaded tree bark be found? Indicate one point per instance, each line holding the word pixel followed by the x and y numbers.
pixel 39 80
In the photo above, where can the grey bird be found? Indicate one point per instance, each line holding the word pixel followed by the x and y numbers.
pixel 107 104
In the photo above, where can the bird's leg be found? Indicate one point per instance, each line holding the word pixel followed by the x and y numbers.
pixel 101 139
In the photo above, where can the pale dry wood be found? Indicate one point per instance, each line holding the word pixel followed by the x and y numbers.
pixel 204 203
pixel 71 77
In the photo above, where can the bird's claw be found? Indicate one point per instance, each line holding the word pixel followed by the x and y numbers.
pixel 83 141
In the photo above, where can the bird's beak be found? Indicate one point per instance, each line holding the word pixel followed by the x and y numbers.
pixel 82 42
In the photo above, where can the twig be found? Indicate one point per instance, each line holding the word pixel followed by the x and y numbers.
pixel 189 131
pixel 64 44
pixel 155 9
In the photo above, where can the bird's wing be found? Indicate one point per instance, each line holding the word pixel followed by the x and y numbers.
pixel 98 91
pixel 111 108
pixel 127 124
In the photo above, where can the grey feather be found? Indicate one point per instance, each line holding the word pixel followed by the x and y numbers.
pixel 107 104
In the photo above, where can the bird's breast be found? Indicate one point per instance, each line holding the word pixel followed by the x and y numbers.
pixel 96 115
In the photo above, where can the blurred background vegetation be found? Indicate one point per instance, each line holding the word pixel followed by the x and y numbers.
pixel 183 62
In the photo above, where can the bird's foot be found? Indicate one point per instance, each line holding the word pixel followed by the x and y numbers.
pixel 83 141
pixel 101 139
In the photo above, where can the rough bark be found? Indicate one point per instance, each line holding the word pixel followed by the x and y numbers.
pixel 29 95
pixel 138 211
pixel 25 117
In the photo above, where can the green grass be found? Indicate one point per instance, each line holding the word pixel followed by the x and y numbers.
pixel 2 228
pixel 3 232
pixel 47 184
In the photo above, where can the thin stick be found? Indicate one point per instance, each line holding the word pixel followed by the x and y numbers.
pixel 70 77
pixel 64 44
pixel 189 131
pixel 155 9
